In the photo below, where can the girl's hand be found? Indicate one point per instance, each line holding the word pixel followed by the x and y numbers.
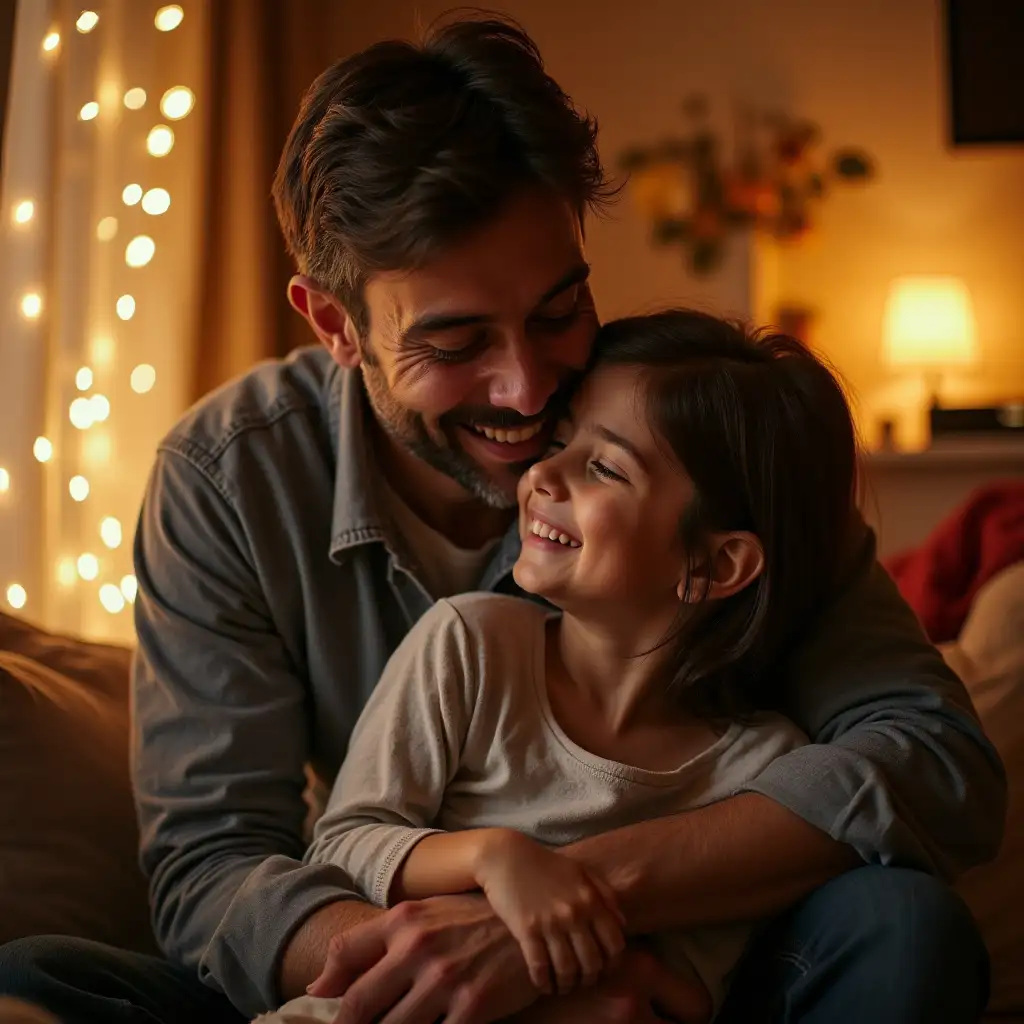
pixel 565 919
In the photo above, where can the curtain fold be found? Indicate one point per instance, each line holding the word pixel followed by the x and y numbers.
pixel 262 56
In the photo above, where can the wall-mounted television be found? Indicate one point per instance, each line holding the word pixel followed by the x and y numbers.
pixel 985 70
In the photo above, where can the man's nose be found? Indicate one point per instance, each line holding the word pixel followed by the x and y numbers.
pixel 522 378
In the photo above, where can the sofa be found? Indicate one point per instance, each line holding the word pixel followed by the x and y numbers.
pixel 67 829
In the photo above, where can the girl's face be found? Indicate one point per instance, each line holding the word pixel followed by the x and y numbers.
pixel 599 516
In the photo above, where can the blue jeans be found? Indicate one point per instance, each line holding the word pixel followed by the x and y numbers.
pixel 878 945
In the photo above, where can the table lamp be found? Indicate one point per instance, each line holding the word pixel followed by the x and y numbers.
pixel 928 328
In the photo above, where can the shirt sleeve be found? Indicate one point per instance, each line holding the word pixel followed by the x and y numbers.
pixel 219 745
pixel 404 751
pixel 898 767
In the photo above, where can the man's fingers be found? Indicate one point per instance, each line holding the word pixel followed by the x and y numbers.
pixel 563 961
pixel 348 956
pixel 370 996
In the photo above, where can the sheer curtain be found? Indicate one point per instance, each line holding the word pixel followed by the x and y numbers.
pixel 104 153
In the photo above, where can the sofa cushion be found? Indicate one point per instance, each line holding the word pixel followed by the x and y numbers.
pixel 989 656
pixel 68 838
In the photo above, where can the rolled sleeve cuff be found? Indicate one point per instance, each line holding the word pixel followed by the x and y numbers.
pixel 393 858
pixel 244 955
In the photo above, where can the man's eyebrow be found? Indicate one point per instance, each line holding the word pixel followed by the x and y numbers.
pixel 622 442
pixel 434 323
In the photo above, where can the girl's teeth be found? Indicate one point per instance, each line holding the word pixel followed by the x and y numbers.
pixel 549 533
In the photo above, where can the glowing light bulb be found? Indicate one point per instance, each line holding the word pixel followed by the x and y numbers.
pixel 135 99
pixel 83 378
pixel 89 111
pixel 81 414
pixel 24 211
pixel 5 481
pixel 100 407
pixel 42 449
pixel 168 18
pixel 160 140
pixel 51 42
pixel 110 532
pixel 87 21
pixel 66 572
pixel 126 307
pixel 78 488
pixel 31 305
pixel 106 229
pixel 16 596
pixel 176 103
pixel 139 251
pixel 88 566
pixel 111 598
pixel 143 378
pixel 129 587
pixel 156 201
pixel 131 194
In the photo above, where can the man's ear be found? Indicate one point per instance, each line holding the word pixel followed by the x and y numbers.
pixel 330 321
pixel 735 560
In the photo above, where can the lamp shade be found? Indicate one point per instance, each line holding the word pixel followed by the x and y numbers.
pixel 929 322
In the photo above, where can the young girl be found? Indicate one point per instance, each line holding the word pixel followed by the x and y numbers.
pixel 688 521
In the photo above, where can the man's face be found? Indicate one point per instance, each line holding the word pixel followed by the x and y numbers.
pixel 469 359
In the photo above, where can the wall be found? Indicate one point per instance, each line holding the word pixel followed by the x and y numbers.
pixel 870 72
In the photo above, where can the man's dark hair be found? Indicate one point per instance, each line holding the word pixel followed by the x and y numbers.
pixel 403 148
pixel 762 428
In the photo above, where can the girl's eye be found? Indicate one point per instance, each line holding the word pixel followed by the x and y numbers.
pixel 602 470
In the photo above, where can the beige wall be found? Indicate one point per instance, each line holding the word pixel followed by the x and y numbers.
pixel 870 72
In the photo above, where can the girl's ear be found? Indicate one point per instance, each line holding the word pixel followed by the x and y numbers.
pixel 734 561
pixel 328 318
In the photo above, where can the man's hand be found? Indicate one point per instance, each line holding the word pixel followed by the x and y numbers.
pixel 446 957
pixel 640 990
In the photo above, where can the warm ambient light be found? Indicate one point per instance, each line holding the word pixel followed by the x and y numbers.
pixel 16 596
pixel 111 598
pixel 139 251
pixel 80 414
pixel 131 194
pixel 87 21
pixel 101 350
pixel 99 405
pixel 5 481
pixel 126 307
pixel 135 99
pixel 78 488
pixel 24 211
pixel 168 18
pixel 88 566
pixel 66 572
pixel 160 140
pixel 83 378
pixel 156 201
pixel 929 322
pixel 177 102
pixel 89 111
pixel 110 532
pixel 129 587
pixel 42 449
pixel 51 42
pixel 106 229
pixel 31 305
pixel 143 378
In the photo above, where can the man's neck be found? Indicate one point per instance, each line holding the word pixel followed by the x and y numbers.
pixel 438 500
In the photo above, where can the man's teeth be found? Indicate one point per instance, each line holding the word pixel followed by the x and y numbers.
pixel 510 436
pixel 550 533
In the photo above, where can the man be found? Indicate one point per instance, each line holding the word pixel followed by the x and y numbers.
pixel 299 521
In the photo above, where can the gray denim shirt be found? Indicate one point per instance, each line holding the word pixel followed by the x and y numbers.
pixel 270 598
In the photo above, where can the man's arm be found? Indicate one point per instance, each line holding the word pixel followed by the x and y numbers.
pixel 219 745
pixel 899 772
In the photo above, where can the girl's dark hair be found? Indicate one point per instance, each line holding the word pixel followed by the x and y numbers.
pixel 763 429
pixel 404 147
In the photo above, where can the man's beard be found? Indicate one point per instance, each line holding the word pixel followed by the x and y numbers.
pixel 408 429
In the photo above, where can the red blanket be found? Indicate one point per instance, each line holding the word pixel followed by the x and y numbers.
pixel 982 537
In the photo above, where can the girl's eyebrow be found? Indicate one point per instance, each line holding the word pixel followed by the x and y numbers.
pixel 621 442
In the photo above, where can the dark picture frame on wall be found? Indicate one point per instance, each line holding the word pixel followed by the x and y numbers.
pixel 985 71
